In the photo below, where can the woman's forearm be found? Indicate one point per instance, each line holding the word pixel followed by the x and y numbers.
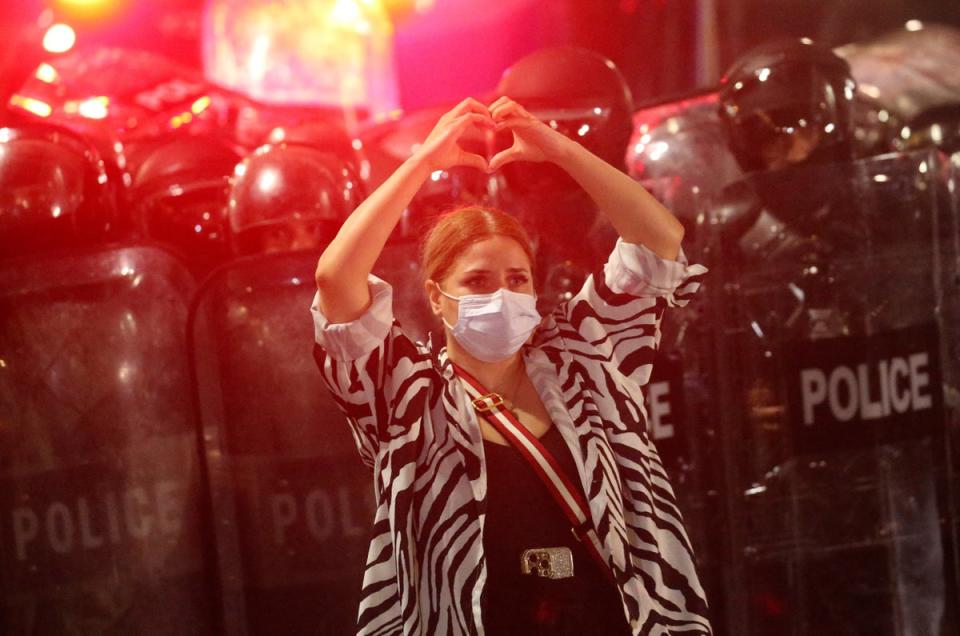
pixel 635 214
pixel 343 267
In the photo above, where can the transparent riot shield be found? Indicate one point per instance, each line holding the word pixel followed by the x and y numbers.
pixel 835 315
pixel 102 529
pixel 680 152
pixel 292 502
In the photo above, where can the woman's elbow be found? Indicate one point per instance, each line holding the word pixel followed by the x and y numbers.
pixel 325 273
pixel 668 246
pixel 322 278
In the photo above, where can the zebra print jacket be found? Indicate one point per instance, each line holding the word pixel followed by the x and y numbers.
pixel 414 428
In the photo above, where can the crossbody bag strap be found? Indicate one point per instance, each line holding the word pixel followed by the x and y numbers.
pixel 490 406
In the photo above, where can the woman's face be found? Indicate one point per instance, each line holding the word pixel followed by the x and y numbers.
pixel 483 268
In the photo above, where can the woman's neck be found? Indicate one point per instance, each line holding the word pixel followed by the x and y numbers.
pixel 492 375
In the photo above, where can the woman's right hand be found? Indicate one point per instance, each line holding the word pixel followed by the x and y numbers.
pixel 440 150
pixel 347 261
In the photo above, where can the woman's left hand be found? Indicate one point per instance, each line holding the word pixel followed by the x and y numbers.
pixel 533 140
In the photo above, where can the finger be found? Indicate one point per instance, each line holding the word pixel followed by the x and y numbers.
pixel 464 107
pixel 457 126
pixel 473 161
pixel 504 108
pixel 471 105
pixel 444 132
pixel 478 106
pixel 507 110
pixel 500 101
pixel 504 157
pixel 498 110
pixel 514 121
pixel 462 122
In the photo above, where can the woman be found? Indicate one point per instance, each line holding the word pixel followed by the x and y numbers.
pixel 455 504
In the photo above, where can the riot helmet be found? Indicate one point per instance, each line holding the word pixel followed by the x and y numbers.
pixel 179 195
pixel 788 102
pixel 582 95
pixel 55 191
pixel 578 92
pixel 288 196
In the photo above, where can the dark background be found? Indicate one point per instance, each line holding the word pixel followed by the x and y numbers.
pixel 663 47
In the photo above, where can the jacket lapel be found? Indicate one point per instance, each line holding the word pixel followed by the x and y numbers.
pixel 467 438
pixel 543 373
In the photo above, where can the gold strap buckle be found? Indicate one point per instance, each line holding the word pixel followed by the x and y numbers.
pixel 550 563
pixel 481 405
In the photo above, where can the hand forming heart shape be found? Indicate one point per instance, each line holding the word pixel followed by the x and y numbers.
pixel 533 140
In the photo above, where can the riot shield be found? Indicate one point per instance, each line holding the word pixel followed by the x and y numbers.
pixel 835 319
pixel 292 502
pixel 101 513
pixel 680 152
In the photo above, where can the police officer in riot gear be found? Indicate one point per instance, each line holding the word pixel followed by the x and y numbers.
pixel 788 102
pixel 788 108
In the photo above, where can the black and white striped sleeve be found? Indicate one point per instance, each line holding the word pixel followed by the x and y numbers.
pixel 376 374
pixel 636 270
pixel 618 310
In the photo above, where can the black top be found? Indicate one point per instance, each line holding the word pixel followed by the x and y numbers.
pixel 522 514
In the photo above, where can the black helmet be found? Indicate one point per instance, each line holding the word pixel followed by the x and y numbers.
pixel 55 190
pixel 579 93
pixel 788 102
pixel 179 195
pixel 290 196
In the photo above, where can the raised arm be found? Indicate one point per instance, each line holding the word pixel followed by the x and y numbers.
pixel 636 215
pixel 343 267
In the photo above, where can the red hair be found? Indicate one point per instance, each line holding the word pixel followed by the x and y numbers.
pixel 454 231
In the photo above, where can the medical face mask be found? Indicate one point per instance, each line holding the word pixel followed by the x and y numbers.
pixel 492 327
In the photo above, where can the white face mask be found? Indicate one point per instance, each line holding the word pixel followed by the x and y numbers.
pixel 492 327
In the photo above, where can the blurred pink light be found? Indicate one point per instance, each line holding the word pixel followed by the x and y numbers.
pixel 336 53
pixel 91 12
pixel 35 106
pixel 59 38
pixel 46 73
pixel 94 108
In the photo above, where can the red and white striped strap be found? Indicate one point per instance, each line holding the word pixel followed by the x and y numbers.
pixel 490 405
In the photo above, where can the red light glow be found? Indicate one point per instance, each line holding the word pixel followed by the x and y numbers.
pixel 59 38
pixel 89 10
pixel 35 106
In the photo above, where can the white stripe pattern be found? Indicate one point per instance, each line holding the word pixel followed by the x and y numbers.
pixel 415 428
